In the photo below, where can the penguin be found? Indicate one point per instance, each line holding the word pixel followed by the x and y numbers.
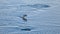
pixel 24 17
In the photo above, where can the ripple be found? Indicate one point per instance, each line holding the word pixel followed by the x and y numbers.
pixel 38 6
pixel 33 7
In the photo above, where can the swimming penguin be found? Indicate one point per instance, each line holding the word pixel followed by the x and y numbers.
pixel 24 17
